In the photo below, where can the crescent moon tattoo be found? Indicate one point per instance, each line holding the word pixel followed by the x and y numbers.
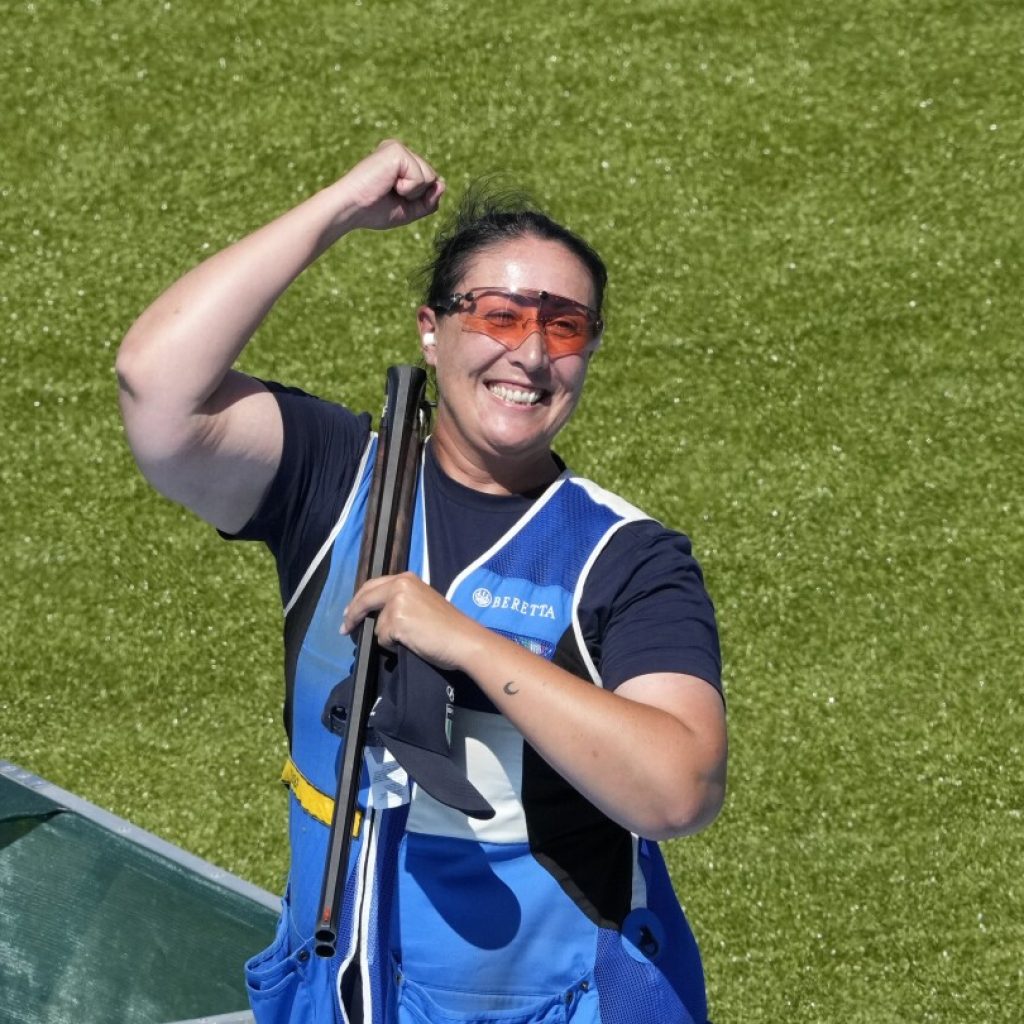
pixel 509 688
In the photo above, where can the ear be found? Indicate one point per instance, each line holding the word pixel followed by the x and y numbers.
pixel 426 322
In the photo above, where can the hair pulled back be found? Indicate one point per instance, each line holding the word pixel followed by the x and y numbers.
pixel 488 216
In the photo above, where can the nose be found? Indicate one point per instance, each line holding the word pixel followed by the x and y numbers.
pixel 532 354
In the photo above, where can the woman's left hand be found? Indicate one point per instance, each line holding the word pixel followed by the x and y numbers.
pixel 412 614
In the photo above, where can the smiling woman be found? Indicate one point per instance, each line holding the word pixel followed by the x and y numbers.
pixel 502 401
pixel 570 635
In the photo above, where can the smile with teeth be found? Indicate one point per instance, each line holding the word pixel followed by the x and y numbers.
pixel 518 396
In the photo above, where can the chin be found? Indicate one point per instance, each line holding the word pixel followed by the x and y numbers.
pixel 518 445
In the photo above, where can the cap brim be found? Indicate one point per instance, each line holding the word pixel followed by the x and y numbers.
pixel 438 776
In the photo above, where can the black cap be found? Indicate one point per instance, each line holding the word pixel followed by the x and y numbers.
pixel 413 719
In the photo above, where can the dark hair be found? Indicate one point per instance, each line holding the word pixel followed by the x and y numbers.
pixel 488 216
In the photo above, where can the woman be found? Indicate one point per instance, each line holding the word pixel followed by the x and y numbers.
pixel 574 632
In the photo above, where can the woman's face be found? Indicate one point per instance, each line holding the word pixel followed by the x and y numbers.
pixel 502 408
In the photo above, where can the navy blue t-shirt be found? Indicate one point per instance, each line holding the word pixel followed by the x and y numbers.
pixel 643 609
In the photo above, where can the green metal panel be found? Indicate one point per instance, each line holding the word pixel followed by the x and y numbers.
pixel 97 926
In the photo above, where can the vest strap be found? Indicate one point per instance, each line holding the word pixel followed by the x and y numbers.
pixel 314 802
pixel 311 800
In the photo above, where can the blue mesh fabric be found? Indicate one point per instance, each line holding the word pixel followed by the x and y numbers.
pixel 539 553
pixel 345 919
pixel 391 827
pixel 345 925
pixel 633 991
pixel 684 968
pixel 344 929
pixel 333 979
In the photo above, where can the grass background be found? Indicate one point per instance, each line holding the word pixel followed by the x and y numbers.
pixel 812 215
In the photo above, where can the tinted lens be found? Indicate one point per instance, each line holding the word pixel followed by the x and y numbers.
pixel 502 316
pixel 510 318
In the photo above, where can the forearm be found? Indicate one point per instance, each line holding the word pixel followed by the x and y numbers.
pixel 179 351
pixel 644 767
pixel 651 755
pixel 202 434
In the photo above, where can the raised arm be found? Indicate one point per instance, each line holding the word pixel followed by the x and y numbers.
pixel 203 434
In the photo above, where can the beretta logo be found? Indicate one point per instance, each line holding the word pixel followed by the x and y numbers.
pixel 483 598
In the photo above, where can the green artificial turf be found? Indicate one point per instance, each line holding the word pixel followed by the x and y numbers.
pixel 813 219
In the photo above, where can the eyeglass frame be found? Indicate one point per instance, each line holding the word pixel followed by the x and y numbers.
pixel 596 322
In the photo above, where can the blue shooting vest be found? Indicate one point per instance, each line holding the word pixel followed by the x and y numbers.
pixel 547 913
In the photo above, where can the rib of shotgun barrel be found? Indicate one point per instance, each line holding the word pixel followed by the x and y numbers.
pixel 384 551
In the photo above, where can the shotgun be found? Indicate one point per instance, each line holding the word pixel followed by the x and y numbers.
pixel 384 551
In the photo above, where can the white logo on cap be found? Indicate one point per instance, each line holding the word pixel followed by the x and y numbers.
pixel 482 597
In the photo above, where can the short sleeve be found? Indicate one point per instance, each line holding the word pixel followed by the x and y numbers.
pixel 322 448
pixel 645 609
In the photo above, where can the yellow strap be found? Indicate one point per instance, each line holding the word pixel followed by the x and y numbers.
pixel 311 800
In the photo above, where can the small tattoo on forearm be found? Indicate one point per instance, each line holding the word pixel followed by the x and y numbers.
pixel 510 689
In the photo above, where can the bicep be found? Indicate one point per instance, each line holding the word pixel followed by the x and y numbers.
pixel 218 462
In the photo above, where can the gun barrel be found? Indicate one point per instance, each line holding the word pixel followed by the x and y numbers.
pixel 384 550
